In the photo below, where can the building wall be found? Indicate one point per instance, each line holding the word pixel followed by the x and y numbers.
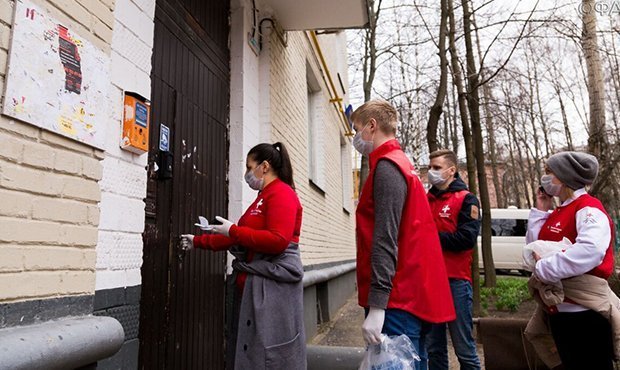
pixel 244 106
pixel 71 217
pixel 328 229
pixel 123 184
pixel 49 211
pixel 269 104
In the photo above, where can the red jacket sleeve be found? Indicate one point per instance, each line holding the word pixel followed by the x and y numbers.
pixel 213 242
pixel 280 219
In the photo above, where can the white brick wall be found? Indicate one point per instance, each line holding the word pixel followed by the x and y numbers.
pixel 123 182
pixel 245 95
pixel 268 104
pixel 49 212
pixel 327 231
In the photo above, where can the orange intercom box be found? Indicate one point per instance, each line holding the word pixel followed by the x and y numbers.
pixel 136 116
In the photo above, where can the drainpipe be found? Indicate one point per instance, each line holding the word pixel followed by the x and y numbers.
pixel 333 93
pixel 314 277
pixel 62 344
pixel 334 358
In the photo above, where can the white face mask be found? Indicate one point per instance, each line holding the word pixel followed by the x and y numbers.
pixel 253 181
pixel 361 145
pixel 550 188
pixel 435 177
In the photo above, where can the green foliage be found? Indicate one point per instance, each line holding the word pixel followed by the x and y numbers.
pixel 508 294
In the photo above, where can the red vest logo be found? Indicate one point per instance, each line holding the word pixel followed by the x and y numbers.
pixel 556 228
pixel 256 211
pixel 445 211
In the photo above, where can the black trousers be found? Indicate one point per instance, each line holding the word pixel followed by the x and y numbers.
pixel 583 339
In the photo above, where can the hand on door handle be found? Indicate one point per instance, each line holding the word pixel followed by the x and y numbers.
pixel 187 242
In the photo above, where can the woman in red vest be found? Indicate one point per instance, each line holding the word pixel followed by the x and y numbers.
pixel 267 329
pixel 583 337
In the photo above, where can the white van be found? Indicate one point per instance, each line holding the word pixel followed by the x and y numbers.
pixel 509 226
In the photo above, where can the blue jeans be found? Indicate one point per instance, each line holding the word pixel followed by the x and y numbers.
pixel 460 332
pixel 399 322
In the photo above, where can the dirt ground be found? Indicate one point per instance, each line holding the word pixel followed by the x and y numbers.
pixel 345 328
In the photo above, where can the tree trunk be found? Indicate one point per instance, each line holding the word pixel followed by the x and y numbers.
pixel 469 150
pixel 473 103
pixel 517 165
pixel 370 68
pixel 446 131
pixel 597 142
pixel 488 120
pixel 543 121
pixel 537 166
pixel 462 102
pixel 615 68
pixel 534 182
pixel 567 133
pixel 559 91
pixel 437 108
pixel 492 146
pixel 454 130
pixel 513 169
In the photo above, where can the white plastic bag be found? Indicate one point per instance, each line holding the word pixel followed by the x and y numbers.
pixel 393 353
pixel 544 249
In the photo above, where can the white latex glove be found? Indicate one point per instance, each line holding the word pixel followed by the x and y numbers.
pixel 371 328
pixel 224 228
pixel 187 242
pixel 204 224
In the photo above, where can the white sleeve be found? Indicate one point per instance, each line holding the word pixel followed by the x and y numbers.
pixel 535 222
pixel 588 251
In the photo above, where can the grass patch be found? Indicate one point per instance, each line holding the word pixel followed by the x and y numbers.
pixel 508 295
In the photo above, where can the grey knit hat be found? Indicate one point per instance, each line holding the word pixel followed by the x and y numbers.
pixel 574 169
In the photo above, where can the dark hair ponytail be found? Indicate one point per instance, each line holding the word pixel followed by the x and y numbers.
pixel 278 158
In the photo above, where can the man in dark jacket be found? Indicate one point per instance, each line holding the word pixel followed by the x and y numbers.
pixel 456 214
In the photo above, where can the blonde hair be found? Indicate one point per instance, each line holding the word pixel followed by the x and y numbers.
pixel 382 111
pixel 567 192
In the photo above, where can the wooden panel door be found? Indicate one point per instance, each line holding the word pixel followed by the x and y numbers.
pixel 182 306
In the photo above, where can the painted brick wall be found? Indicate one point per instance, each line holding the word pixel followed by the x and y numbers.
pixel 123 184
pixel 244 106
pixel 327 231
pixel 49 194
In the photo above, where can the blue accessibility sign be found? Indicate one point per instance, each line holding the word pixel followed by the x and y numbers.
pixel 164 138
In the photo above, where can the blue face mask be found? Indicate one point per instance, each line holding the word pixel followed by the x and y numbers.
pixel 253 182
pixel 361 145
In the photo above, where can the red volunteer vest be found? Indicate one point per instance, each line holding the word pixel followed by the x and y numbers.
pixel 420 285
pixel 562 223
pixel 445 211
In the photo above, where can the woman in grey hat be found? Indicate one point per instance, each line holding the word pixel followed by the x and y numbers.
pixel 583 337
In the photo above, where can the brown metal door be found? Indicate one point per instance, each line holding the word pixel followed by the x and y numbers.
pixel 182 306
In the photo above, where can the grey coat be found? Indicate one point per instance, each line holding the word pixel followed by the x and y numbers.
pixel 269 320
